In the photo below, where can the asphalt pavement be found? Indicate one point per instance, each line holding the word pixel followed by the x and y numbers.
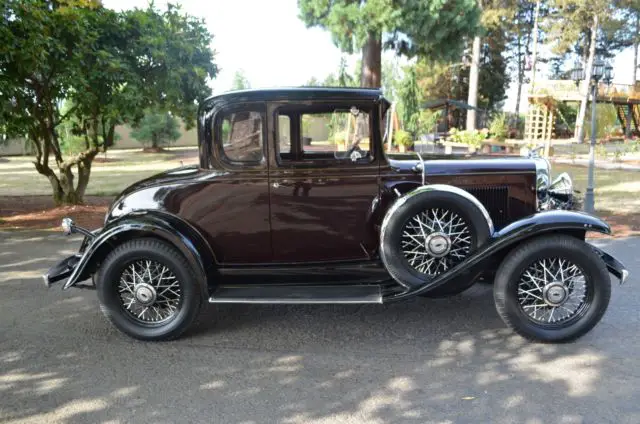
pixel 421 361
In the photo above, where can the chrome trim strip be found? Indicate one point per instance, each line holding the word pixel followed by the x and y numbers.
pixel 422 167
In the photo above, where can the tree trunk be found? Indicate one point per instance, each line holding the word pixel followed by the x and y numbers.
pixel 634 74
pixel 474 73
pixel 579 131
pixel 521 60
pixel 84 171
pixel 371 70
pixel 636 46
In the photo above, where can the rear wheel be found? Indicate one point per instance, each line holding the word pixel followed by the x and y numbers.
pixel 552 289
pixel 147 290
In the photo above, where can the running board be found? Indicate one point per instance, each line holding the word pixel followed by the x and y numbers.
pixel 297 294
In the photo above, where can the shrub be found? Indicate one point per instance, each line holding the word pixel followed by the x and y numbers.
pixel 498 128
pixel 471 138
pixel 601 151
pixel 403 138
pixel 158 129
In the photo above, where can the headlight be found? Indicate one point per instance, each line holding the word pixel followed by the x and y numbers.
pixel 67 226
pixel 543 172
pixel 561 192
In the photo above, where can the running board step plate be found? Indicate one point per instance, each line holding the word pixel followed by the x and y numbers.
pixel 297 294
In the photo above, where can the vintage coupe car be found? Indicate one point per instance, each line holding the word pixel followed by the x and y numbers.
pixel 295 200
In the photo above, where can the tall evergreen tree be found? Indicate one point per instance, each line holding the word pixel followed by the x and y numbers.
pixel 434 28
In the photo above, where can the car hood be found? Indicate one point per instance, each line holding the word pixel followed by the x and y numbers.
pixel 464 165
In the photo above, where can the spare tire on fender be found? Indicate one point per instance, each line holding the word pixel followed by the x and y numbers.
pixel 430 230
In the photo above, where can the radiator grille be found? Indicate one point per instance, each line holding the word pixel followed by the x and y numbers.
pixel 496 200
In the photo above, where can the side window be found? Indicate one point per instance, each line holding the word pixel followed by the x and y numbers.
pixel 335 133
pixel 323 135
pixel 242 136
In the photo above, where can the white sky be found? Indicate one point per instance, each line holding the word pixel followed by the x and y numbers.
pixel 266 40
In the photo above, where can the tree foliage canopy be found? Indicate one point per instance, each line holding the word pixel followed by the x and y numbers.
pixel 157 129
pixel 433 28
pixel 109 66
pixel 240 81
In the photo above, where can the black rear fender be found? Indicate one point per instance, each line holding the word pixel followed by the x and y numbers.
pixel 166 227
pixel 503 241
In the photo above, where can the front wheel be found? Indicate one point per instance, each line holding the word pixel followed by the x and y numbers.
pixel 147 290
pixel 552 289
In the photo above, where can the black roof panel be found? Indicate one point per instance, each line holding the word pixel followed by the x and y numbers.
pixel 296 93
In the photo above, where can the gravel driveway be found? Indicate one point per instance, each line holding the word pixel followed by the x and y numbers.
pixel 422 361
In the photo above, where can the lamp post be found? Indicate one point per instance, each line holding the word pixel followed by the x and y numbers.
pixel 601 71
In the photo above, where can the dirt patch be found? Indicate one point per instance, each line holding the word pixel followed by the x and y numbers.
pixel 154 150
pixel 102 159
pixel 622 225
pixel 39 212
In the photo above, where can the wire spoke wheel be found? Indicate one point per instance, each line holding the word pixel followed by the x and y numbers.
pixel 553 291
pixel 435 240
pixel 149 291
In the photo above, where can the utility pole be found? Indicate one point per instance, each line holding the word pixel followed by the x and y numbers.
pixel 474 73
pixel 534 59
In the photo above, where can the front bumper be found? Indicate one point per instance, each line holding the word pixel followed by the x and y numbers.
pixel 64 269
pixel 61 270
pixel 614 266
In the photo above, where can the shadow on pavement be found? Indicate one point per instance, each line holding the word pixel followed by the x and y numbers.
pixel 421 361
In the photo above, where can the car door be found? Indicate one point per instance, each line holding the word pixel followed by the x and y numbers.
pixel 320 199
pixel 229 202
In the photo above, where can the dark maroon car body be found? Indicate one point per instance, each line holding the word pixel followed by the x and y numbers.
pixel 314 223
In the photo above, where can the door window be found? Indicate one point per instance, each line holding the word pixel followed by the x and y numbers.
pixel 332 135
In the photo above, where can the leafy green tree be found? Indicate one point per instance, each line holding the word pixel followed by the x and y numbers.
pixel 631 10
pixel 586 28
pixel 496 16
pixel 520 35
pixel 157 129
pixel 240 81
pixel 391 78
pixel 410 99
pixel 433 28
pixel 110 67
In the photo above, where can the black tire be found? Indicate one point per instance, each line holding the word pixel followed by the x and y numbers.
pixel 394 259
pixel 187 306
pixel 587 314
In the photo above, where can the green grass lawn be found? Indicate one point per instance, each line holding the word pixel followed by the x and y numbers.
pixel 18 176
pixel 616 191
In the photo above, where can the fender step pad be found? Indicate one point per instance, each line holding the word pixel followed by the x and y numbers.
pixel 291 294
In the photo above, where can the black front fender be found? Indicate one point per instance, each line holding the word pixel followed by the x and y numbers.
pixel 161 225
pixel 542 223
pixel 557 220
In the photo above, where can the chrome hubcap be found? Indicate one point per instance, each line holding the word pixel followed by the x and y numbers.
pixel 435 240
pixel 438 244
pixel 149 291
pixel 554 294
pixel 552 290
pixel 145 294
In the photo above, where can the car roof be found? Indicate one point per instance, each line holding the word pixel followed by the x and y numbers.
pixel 296 93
